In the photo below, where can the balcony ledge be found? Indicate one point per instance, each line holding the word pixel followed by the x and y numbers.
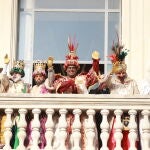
pixel 73 101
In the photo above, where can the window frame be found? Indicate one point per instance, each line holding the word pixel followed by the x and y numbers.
pixel 106 62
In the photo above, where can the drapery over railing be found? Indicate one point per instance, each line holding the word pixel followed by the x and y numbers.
pixel 90 119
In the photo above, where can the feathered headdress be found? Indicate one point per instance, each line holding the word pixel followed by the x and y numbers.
pixel 118 57
pixel 72 58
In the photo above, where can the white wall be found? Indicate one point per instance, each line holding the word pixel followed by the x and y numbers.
pixel 8 17
pixel 136 37
pixel 5 18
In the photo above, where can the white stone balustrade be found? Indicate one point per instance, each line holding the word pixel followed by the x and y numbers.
pixel 49 129
pixel 78 104
pixel 22 124
pixel 145 125
pixel 90 130
pixel 62 129
pixel 105 128
pixel 118 126
pixel 8 125
pixel 132 129
pixel 35 125
pixel 76 134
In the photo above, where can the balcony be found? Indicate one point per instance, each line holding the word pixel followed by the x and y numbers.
pixel 98 112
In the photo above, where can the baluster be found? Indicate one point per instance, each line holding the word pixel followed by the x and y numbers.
pixel 145 125
pixel 35 125
pixel 118 126
pixel 90 130
pixel 22 124
pixel 76 135
pixel 132 129
pixel 62 127
pixel 49 129
pixel 8 126
pixel 105 127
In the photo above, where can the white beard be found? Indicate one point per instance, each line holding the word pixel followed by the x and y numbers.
pixel 16 78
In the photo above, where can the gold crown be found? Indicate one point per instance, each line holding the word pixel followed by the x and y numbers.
pixel 39 65
pixel 19 64
pixel 119 66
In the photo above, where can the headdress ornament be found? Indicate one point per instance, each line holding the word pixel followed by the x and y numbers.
pixel 18 67
pixel 39 67
pixel 72 58
pixel 118 57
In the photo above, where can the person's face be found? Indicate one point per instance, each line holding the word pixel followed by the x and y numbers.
pixel 39 79
pixel 126 121
pixel 71 71
pixel 16 77
pixel 121 75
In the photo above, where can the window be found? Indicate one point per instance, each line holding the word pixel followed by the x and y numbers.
pixel 44 27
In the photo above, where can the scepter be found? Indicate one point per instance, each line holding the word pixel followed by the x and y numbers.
pixel 50 71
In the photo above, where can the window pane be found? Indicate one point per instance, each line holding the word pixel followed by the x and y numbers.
pixel 25 36
pixel 70 4
pixel 52 31
pixel 109 67
pixel 113 29
pixel 114 4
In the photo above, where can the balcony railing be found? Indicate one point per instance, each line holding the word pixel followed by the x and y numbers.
pixel 92 114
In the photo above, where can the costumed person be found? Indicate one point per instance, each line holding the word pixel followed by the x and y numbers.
pixel 144 87
pixel 4 79
pixel 118 81
pixel 66 84
pixel 74 83
pixel 43 84
pixel 125 143
pixel 42 139
pixel 15 140
pixel 51 75
pixel 125 140
pixel 16 84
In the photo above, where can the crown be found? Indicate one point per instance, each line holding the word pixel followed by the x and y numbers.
pixel 19 64
pixel 39 67
pixel 18 67
pixel 39 64
pixel 118 57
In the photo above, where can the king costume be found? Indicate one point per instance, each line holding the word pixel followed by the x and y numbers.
pixel 78 84
pixel 120 85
